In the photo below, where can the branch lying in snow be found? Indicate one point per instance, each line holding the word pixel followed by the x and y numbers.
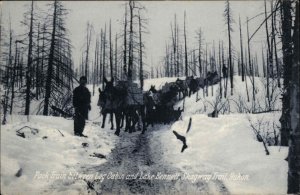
pixel 98 155
pixel 19 173
pixel 63 113
pixel 189 126
pixel 60 132
pixel 181 138
pixel 22 134
pixel 90 186
pixel 258 136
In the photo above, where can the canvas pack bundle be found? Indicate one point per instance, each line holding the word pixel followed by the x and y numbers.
pixel 134 95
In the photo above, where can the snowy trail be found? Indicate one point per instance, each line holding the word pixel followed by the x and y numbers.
pixel 133 156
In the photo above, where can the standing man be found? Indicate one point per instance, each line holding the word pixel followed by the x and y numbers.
pixel 82 105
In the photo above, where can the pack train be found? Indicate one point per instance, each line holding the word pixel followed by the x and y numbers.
pixel 135 110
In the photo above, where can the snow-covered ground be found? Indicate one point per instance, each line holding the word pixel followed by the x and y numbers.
pixel 226 146
pixel 53 150
pixel 223 154
pixel 51 153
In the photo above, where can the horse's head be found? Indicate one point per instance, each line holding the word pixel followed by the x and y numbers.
pixel 152 89
pixel 109 88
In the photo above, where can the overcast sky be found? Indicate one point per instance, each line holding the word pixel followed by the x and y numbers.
pixel 205 14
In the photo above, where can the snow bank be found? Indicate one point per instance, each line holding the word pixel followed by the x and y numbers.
pixel 40 162
pixel 226 147
pixel 236 103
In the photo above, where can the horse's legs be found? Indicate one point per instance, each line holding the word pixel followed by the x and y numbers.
pixel 103 120
pixel 118 116
pixel 152 117
pixel 132 119
pixel 131 122
pixel 122 119
pixel 112 120
pixel 127 120
pixel 142 110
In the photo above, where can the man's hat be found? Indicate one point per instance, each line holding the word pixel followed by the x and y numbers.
pixel 83 78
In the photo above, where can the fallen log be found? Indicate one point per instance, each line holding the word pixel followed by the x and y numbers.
pixel 63 113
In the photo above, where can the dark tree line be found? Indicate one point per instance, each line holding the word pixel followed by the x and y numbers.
pixel 120 56
pixel 37 64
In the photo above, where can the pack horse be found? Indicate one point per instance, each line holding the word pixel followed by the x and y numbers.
pixel 124 101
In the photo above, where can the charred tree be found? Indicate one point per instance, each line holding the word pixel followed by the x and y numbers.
pixel 185 47
pixel 242 54
pixel 287 51
pixel 59 58
pixel 199 34
pixel 110 53
pixel 294 138
pixel 229 21
pixel 29 63
pixel 141 53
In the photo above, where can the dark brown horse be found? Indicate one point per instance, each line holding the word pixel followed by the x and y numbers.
pixel 114 104
pixel 117 104
pixel 182 87
pixel 104 103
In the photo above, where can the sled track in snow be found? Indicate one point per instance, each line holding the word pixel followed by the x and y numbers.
pixel 133 155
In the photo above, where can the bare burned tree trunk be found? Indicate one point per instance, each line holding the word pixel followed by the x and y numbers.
pixel 246 76
pixel 50 62
pixel 251 69
pixel 97 61
pixel 57 93
pixel 177 49
pixel 185 47
pixel 95 67
pixel 294 138
pixel 220 68
pixel 42 80
pixel 270 57
pixel 263 62
pixel 141 54
pixel 275 48
pixel 171 64
pixel 199 33
pixel 94 73
pixel 110 52
pixel 38 71
pixel 229 20
pixel 226 76
pixel 206 65
pixel 116 56
pixel 88 43
pixel 103 57
pixel 242 56
pixel 130 48
pixel 29 64
pixel 256 66
pixel 287 50
pixel 167 73
pixel 173 34
pixel 125 45
pixel 13 79
pixel 7 76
